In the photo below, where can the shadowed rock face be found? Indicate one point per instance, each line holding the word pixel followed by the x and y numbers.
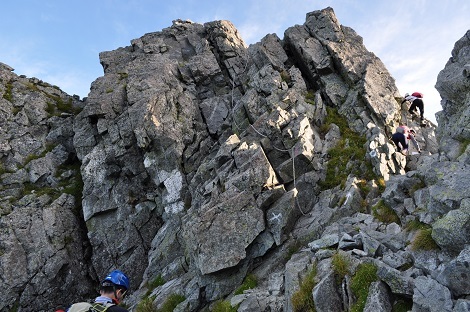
pixel 202 160
pixel 453 84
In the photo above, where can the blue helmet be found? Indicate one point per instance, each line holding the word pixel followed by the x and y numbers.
pixel 118 278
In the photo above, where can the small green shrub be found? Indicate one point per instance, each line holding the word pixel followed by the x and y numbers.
pixel 171 302
pixel 109 90
pixel 366 273
pixel 302 300
pixel 340 264
pixel 223 306
pixel 385 214
pixel 250 282
pixel 424 241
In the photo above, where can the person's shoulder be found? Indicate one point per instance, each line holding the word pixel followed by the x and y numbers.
pixel 116 308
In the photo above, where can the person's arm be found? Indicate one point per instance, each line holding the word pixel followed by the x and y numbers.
pixel 415 143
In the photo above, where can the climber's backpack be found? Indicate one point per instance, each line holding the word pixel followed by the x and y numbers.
pixel 89 307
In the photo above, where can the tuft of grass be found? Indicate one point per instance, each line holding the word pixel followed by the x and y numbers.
pixel 223 306
pixel 75 188
pixel 340 264
pixel 123 76
pixel 285 76
pixel 29 188
pixel 72 185
pixel 8 95
pixel 15 110
pixel 57 103
pixel 302 300
pixel 158 281
pixel 424 241
pixel 60 106
pixel 250 282
pixel 66 107
pixel 50 109
pixel 463 146
pixel 416 187
pixel 364 204
pixel 31 86
pixel 385 214
pixel 293 248
pixel 171 302
pixel 2 169
pixel 310 97
pixel 363 187
pixel 381 184
pixel 415 225
pixel 347 156
pixel 146 305
pixel 366 273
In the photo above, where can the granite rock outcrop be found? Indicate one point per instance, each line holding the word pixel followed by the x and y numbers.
pixel 197 162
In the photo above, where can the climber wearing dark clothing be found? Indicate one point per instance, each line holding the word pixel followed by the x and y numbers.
pixel 400 140
pixel 416 102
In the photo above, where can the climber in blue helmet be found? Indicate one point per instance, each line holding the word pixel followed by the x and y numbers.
pixel 113 288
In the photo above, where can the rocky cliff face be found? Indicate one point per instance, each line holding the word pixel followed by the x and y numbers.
pixel 203 162
pixel 43 242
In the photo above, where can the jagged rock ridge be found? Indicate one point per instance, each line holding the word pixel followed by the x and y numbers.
pixel 204 160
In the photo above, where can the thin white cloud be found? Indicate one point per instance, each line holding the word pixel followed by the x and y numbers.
pixel 70 82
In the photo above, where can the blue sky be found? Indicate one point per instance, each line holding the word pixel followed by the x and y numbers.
pixel 59 41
